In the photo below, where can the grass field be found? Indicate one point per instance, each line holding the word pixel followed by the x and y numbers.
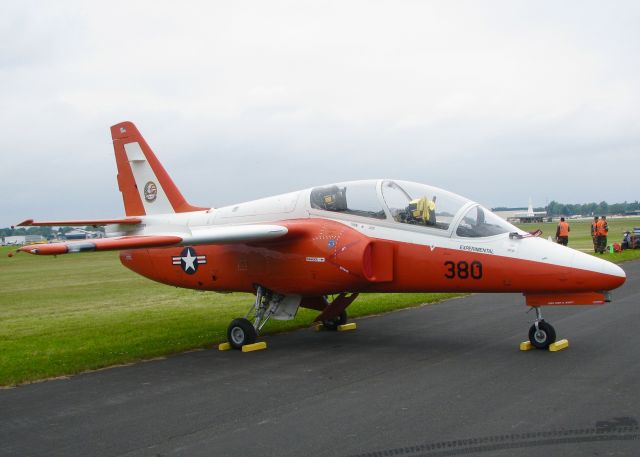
pixel 580 235
pixel 67 314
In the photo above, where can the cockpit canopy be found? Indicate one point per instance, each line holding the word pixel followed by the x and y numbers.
pixel 359 198
pixel 419 204
pixel 413 204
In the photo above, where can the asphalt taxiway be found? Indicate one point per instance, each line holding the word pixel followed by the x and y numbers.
pixel 445 379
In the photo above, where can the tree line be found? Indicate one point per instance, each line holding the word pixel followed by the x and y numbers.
pixel 47 232
pixel 582 209
pixel 591 209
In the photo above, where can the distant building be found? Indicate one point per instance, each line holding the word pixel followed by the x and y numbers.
pixel 76 235
pixel 81 234
pixel 523 216
pixel 18 239
pixel 23 239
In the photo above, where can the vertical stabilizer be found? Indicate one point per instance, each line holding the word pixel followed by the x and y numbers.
pixel 145 185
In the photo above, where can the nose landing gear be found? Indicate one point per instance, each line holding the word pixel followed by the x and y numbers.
pixel 541 334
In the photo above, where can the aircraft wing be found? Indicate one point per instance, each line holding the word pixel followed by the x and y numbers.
pixel 101 244
pixel 206 235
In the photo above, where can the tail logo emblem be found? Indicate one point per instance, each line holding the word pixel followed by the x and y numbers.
pixel 150 191
pixel 189 260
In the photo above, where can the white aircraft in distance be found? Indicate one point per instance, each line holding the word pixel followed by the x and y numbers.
pixel 319 248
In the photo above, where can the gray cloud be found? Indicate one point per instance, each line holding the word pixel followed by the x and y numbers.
pixel 497 100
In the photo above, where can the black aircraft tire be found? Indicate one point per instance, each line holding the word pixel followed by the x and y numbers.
pixel 334 323
pixel 543 337
pixel 240 333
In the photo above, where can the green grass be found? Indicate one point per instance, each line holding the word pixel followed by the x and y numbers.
pixel 68 314
pixel 580 235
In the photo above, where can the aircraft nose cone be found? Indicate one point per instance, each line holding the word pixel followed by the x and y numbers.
pixel 608 275
pixel 617 274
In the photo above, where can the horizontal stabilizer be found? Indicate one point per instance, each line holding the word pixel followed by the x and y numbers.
pixel 93 222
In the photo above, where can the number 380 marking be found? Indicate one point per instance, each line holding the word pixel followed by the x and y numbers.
pixel 463 270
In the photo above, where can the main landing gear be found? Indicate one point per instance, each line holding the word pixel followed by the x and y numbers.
pixel 333 324
pixel 245 330
pixel 541 334
pixel 242 331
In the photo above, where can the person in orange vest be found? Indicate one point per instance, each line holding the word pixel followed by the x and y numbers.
pixel 562 232
pixel 602 230
pixel 594 236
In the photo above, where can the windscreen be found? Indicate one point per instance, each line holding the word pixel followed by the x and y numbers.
pixel 480 222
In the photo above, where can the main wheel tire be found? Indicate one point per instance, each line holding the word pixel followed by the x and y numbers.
pixel 543 336
pixel 240 333
pixel 334 323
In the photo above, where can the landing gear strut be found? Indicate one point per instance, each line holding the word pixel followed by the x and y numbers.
pixel 541 334
pixel 243 331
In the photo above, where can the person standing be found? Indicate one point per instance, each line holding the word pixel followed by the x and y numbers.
pixel 602 230
pixel 562 232
pixel 594 234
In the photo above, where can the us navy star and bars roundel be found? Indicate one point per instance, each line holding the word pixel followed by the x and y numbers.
pixel 189 260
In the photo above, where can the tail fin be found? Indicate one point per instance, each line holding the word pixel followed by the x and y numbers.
pixel 145 185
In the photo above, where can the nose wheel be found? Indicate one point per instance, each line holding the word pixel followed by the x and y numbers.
pixel 541 334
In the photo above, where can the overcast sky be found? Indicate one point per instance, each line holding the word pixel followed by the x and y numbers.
pixel 498 101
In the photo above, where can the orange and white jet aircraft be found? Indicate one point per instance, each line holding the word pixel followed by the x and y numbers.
pixel 319 248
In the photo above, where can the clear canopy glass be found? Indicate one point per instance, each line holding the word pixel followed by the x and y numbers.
pixel 419 204
pixel 480 222
pixel 410 203
pixel 358 198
